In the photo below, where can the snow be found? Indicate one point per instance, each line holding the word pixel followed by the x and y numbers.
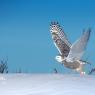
pixel 46 84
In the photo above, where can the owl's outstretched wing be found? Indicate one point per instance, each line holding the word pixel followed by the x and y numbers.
pixel 77 49
pixel 60 39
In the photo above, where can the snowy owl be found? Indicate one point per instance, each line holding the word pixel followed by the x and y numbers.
pixel 69 54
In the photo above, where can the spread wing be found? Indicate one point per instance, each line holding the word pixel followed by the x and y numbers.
pixel 77 49
pixel 60 39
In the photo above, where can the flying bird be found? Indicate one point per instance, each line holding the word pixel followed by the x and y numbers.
pixel 69 54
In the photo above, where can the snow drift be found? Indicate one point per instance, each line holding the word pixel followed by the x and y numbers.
pixel 46 84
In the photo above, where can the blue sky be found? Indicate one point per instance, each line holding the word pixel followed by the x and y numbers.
pixel 24 31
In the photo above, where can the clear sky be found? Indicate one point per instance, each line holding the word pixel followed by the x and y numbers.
pixel 25 37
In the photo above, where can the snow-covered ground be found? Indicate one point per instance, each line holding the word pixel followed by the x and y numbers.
pixel 46 84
